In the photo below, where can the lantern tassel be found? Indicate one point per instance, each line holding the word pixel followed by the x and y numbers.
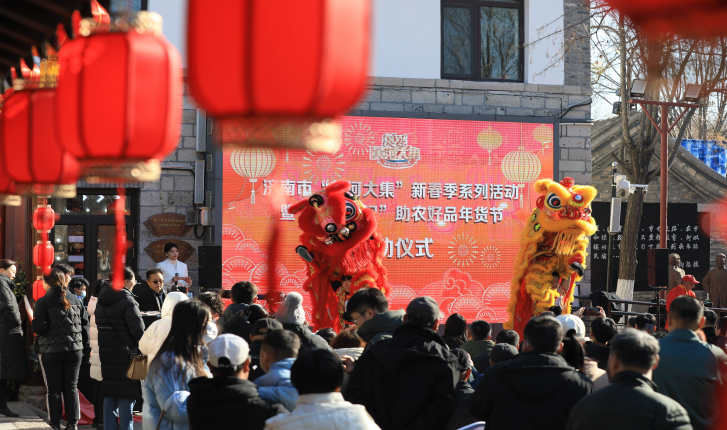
pixel 120 245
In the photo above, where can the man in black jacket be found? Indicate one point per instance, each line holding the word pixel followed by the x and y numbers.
pixel 407 382
pixel 631 400
pixel 220 402
pixel 602 331
pixel 243 295
pixel 13 363
pixel 536 389
pixel 369 310
pixel 150 294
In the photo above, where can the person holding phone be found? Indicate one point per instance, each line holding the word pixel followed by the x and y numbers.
pixel 174 272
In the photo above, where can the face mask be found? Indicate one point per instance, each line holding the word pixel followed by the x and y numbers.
pixel 82 296
pixel 210 333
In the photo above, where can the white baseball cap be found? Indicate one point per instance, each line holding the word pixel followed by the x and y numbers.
pixel 572 322
pixel 233 347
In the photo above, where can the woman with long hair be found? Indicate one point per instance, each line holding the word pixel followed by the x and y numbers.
pixel 455 331
pixel 95 359
pixel 61 324
pixel 120 328
pixel 13 364
pixel 181 358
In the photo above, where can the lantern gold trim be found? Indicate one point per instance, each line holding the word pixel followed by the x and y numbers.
pixel 97 171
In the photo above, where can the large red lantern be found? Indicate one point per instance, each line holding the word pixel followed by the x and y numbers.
pixel 119 101
pixel 44 218
pixel 43 254
pixel 703 19
pixel 282 62
pixel 29 149
pixel 8 192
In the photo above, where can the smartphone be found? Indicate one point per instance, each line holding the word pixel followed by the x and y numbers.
pixel 650 328
pixel 590 312
pixel 190 294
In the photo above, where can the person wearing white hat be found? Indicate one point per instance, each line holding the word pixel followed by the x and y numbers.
pixel 573 352
pixel 221 401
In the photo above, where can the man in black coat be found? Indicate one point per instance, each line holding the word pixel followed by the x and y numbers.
pixel 13 364
pixel 408 381
pixel 536 389
pixel 630 402
pixel 120 328
pixel 602 331
pixel 222 401
pixel 150 294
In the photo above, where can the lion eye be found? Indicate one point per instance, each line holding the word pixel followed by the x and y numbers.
pixel 554 201
pixel 350 210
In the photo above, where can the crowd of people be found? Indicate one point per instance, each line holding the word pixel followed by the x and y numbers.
pixel 216 367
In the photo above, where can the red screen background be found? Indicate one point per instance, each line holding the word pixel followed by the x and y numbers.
pixel 465 265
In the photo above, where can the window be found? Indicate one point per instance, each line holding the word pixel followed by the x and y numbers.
pixel 121 7
pixel 482 40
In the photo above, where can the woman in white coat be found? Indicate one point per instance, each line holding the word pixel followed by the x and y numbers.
pixel 95 359
pixel 156 333
pixel 174 271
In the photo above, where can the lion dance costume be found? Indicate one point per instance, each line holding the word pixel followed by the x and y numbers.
pixel 552 251
pixel 339 241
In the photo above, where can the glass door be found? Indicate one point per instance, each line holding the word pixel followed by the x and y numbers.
pixel 85 235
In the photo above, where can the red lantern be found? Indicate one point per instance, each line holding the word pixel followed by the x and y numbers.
pixel 306 59
pixel 30 152
pixel 8 191
pixel 38 289
pixel 696 18
pixel 44 218
pixel 43 254
pixel 119 102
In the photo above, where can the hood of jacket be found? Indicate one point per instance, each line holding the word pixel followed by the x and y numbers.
pixel 109 296
pixel 410 343
pixel 535 375
pixel 215 394
pixel 170 301
pixel 387 321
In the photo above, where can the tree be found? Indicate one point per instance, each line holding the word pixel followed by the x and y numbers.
pixel 668 63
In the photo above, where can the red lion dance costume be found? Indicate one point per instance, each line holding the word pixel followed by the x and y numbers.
pixel 552 254
pixel 339 241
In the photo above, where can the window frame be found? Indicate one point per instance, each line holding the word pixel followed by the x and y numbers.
pixel 476 37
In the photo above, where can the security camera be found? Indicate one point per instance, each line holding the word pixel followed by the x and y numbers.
pixel 622 193
pixel 622 187
pixel 645 191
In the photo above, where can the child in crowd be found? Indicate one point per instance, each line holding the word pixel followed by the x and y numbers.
pixel 277 355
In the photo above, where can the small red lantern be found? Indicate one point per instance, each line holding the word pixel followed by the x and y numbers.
pixel 43 254
pixel 119 101
pixel 44 218
pixel 31 154
pixel 697 18
pixel 306 60
pixel 38 289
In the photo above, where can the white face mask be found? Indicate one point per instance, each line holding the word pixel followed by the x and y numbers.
pixel 210 332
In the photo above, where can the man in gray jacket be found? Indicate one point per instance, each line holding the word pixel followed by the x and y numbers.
pixel 369 310
pixel 631 400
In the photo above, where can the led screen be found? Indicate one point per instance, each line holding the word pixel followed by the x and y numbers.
pixel 452 197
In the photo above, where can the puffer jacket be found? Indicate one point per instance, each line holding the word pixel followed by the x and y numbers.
pixel 275 385
pixel 167 388
pixel 120 328
pixel 406 382
pixel 323 411
pixel 308 340
pixel 60 329
pixel 155 335
pixel 95 360
pixel 13 362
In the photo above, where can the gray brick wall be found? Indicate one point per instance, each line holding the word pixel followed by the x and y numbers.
pixel 577 58
pixel 173 193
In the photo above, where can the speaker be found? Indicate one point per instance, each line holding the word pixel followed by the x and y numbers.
pixel 210 277
pixel 210 255
pixel 657 269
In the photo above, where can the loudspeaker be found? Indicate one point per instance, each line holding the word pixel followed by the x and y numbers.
pixel 210 255
pixel 210 277
pixel 657 269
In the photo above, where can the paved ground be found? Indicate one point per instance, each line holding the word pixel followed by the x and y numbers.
pixel 34 419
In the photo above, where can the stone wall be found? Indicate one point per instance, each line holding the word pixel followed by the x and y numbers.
pixel 173 193
pixel 577 57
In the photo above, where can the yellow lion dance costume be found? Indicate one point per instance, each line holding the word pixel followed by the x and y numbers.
pixel 552 251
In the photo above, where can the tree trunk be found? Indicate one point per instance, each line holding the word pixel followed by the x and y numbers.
pixel 629 243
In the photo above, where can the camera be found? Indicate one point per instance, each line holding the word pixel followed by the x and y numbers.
pixel 623 186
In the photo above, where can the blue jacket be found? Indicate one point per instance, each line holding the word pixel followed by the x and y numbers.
pixel 689 372
pixel 275 385
pixel 165 389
